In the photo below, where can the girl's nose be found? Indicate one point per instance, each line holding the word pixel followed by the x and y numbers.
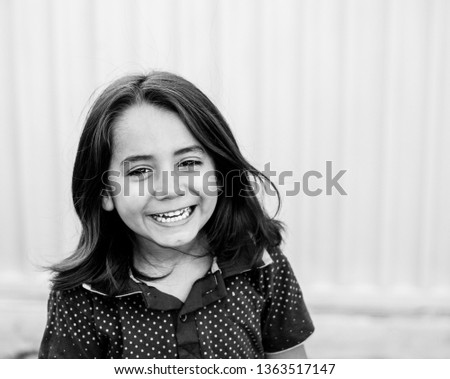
pixel 165 184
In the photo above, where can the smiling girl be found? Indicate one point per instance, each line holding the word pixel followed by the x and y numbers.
pixel 169 264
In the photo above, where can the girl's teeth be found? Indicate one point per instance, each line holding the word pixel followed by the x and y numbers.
pixel 173 213
pixel 173 216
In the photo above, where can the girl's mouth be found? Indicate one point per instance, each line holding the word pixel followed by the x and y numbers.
pixel 174 216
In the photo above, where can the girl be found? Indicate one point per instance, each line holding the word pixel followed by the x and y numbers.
pixel 177 257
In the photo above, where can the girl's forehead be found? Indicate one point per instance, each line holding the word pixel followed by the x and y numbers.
pixel 145 129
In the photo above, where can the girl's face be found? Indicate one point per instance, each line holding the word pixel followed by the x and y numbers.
pixel 164 184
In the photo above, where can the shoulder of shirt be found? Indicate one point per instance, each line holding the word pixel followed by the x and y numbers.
pixel 86 291
pixel 72 295
pixel 277 256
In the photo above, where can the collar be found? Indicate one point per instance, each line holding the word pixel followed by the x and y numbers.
pixel 244 263
pixel 224 269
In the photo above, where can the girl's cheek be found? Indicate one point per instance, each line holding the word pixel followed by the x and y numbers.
pixel 202 184
pixel 209 186
pixel 133 188
pixel 188 184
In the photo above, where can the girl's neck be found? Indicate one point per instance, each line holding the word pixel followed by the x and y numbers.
pixel 155 260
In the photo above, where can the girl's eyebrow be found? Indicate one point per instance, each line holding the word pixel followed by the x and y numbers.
pixel 190 149
pixel 148 157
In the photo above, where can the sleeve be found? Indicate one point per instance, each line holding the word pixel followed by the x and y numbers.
pixel 286 322
pixel 70 330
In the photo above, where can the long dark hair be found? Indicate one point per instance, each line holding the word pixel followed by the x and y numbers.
pixel 239 224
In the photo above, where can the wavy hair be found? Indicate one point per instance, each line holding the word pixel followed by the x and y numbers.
pixel 239 224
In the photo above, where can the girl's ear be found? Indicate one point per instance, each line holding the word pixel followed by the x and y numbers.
pixel 107 202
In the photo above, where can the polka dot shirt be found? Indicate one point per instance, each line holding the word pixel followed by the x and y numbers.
pixel 234 311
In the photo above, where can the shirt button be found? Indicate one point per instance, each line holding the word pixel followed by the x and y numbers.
pixel 183 318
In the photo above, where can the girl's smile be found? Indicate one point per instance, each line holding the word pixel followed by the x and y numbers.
pixel 173 217
pixel 153 149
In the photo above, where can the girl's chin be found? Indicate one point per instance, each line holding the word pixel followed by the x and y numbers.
pixel 175 243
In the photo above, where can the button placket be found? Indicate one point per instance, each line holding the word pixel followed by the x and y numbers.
pixel 187 336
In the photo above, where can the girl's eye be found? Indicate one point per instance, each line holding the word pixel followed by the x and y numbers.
pixel 140 172
pixel 189 165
